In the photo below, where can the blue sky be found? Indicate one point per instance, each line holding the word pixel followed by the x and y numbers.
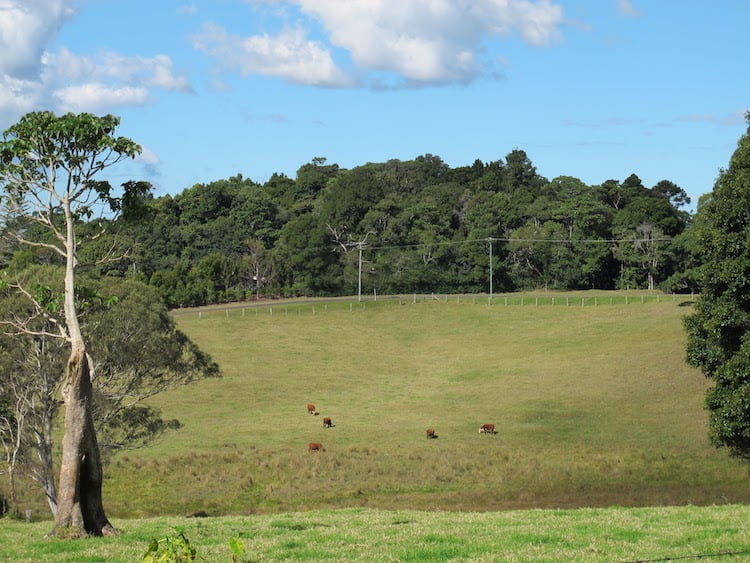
pixel 596 89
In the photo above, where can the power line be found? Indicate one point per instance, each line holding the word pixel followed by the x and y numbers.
pixel 586 240
pixel 503 239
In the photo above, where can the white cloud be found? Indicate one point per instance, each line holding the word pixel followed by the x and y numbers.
pixel 17 97
pixel 113 68
pixel 187 9
pixel 732 119
pixel 288 55
pixel 626 7
pixel 423 46
pixel 421 41
pixel 150 162
pixel 32 77
pixel 105 81
pixel 148 157
pixel 26 27
pixel 97 97
pixel 537 22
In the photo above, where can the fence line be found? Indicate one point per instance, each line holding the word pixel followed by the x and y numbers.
pixel 521 300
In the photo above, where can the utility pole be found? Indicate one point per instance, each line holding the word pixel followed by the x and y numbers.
pixel 347 246
pixel 489 239
pixel 360 244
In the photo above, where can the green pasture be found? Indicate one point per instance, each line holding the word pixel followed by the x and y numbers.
pixel 717 533
pixel 594 406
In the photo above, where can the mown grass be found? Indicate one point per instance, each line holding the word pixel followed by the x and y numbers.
pixel 612 534
pixel 594 405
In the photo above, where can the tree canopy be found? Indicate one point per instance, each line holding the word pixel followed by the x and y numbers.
pixel 426 227
pixel 719 330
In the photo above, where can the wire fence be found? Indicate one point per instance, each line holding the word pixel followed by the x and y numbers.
pixel 355 303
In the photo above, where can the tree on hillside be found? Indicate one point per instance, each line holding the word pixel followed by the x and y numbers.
pixel 719 329
pixel 537 254
pixel 137 353
pixel 618 195
pixel 687 251
pixel 306 259
pixel 258 269
pixel 48 171
pixel 12 431
pixel 310 180
pixel 672 193
pixel 642 253
pixel 32 365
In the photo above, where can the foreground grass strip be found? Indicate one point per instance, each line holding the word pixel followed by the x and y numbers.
pixel 611 534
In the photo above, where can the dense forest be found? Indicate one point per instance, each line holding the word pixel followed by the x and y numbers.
pixel 415 226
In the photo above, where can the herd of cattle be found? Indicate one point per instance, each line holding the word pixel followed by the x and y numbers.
pixel 430 432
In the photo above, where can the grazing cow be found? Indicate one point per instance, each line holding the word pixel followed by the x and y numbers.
pixel 487 429
pixel 327 422
pixel 311 409
pixel 430 432
pixel 315 447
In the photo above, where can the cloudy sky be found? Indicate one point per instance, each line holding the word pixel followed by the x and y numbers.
pixel 596 89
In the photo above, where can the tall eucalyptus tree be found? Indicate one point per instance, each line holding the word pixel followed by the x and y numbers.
pixel 49 167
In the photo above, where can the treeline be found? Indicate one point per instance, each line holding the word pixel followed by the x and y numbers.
pixel 400 227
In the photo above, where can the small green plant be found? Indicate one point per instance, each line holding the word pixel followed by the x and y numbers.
pixel 170 549
pixel 237 547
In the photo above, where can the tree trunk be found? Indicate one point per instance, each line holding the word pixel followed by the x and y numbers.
pixel 13 494
pixel 51 493
pixel 45 475
pixel 14 430
pixel 80 510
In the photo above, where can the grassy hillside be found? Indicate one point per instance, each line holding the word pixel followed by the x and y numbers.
pixel 594 407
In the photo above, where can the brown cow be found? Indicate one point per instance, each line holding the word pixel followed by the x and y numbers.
pixel 315 447
pixel 327 422
pixel 311 409
pixel 430 432
pixel 487 429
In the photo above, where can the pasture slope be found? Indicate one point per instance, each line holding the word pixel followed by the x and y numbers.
pixel 594 406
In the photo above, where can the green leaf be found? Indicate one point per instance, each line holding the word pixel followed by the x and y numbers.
pixel 237 546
